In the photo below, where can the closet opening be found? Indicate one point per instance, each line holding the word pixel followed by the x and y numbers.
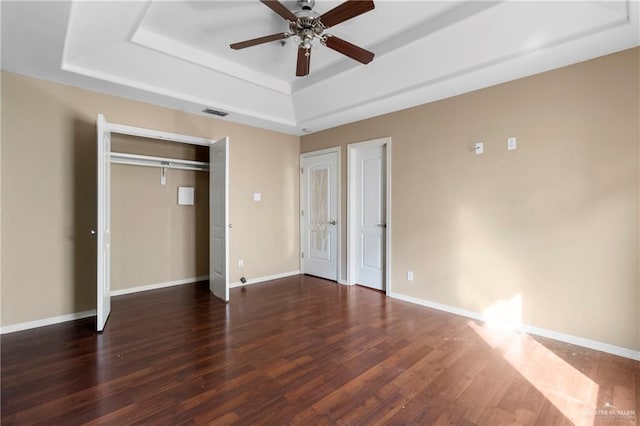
pixel 162 212
pixel 159 214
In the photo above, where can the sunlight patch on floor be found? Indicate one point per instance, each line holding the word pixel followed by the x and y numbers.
pixel 571 392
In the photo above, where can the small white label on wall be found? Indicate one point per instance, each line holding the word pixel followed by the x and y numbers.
pixel 185 196
pixel 257 196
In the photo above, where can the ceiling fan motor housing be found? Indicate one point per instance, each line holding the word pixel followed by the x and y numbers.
pixel 307 26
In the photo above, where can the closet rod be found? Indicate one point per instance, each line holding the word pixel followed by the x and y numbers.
pixel 150 161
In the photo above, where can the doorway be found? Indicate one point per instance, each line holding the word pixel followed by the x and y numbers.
pixel 369 213
pixel 319 213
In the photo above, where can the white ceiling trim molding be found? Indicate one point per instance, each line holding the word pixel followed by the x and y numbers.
pixel 173 94
pixel 116 59
pixel 425 51
pixel 531 61
pixel 506 62
pixel 87 31
pixel 182 51
pixel 448 16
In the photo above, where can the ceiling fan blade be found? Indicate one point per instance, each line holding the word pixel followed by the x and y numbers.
pixel 280 9
pixel 259 40
pixel 348 49
pixel 347 10
pixel 304 62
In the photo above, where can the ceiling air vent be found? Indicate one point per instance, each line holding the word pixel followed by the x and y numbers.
pixel 215 112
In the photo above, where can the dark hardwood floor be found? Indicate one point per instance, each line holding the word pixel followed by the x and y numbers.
pixel 302 350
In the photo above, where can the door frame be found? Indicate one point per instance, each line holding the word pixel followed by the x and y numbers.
pixel 352 193
pixel 104 127
pixel 302 230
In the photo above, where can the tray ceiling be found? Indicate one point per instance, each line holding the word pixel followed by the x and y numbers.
pixel 177 54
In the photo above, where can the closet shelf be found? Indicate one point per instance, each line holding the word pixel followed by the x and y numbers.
pixel 150 161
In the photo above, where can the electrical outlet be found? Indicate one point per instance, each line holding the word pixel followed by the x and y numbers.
pixel 240 263
pixel 409 275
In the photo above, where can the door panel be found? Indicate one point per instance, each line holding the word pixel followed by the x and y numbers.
pixel 219 219
pixel 371 202
pixel 372 251
pixel 320 215
pixel 103 282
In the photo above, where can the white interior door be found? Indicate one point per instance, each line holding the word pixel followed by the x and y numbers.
pixel 319 215
pixel 370 222
pixel 219 218
pixel 104 225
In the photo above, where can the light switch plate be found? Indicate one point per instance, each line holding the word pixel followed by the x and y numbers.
pixel 257 196
pixel 185 196
pixel 479 147
pixel 511 143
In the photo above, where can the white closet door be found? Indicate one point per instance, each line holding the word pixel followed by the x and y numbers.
pixel 219 218
pixel 104 225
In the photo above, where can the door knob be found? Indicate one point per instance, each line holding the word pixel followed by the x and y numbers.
pixel 381 225
pixel 333 222
pixel 93 232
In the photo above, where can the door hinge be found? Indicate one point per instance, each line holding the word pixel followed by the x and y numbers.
pixel 301 212
pixel 302 255
pixel 301 169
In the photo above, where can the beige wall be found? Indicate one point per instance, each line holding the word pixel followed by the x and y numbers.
pixel 554 222
pixel 48 193
pixel 153 239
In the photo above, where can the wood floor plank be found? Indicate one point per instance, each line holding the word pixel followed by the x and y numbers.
pixel 302 350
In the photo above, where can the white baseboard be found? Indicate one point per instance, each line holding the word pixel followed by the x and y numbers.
pixel 86 314
pixel 529 329
pixel 46 321
pixel 158 285
pixel 263 279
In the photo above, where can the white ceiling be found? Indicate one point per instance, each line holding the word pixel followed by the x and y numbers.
pixel 176 53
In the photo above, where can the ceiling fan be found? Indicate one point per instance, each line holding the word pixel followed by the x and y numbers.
pixel 306 25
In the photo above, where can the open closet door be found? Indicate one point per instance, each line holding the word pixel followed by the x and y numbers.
pixel 219 218
pixel 104 224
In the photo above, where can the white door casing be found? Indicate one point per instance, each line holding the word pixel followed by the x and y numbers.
pixel 103 304
pixel 219 218
pixel 319 213
pixel 370 211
